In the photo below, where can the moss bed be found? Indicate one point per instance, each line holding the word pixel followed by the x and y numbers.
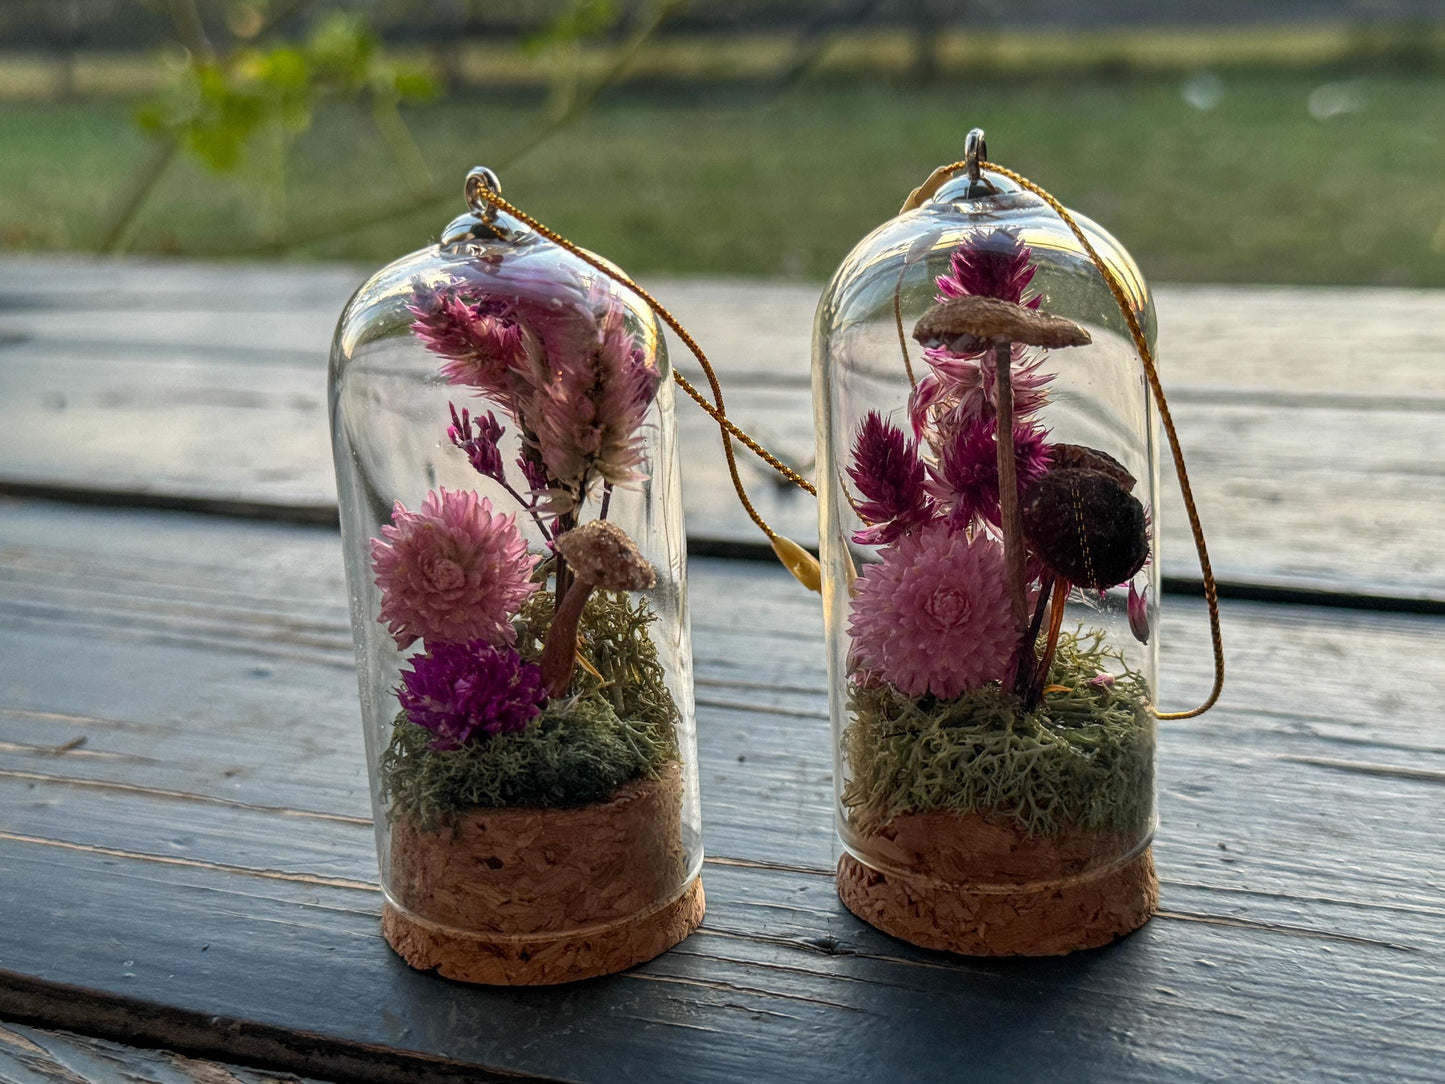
pixel 1083 759
pixel 610 729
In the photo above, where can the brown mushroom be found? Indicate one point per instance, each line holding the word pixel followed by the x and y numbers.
pixel 600 555
pixel 968 324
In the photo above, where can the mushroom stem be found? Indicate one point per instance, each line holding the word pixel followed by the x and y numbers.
pixel 559 652
pixel 600 555
pixel 1008 490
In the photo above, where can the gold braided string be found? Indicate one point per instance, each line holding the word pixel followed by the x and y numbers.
pixel 718 413
pixel 1151 371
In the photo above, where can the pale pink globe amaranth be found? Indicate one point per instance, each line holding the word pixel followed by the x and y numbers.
pixel 933 615
pixel 452 571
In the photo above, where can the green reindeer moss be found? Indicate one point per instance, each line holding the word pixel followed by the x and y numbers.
pixel 1083 758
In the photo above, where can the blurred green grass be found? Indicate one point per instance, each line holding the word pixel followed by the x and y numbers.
pixel 1246 176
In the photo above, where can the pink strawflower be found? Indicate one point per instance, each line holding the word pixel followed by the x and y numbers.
pixel 933 615
pixel 586 414
pixel 453 570
pixel 889 475
pixel 991 263
pixel 484 345
pixel 965 480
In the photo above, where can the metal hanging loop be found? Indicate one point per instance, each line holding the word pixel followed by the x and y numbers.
pixel 478 178
pixel 975 153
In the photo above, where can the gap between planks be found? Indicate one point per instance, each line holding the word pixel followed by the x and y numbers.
pixel 306 514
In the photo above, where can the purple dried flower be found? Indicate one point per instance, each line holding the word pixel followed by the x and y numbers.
pixel 992 263
pixel 963 386
pixel 533 471
pixel 484 345
pixel 889 474
pixel 461 691
pixel 1138 609
pixel 962 389
pixel 587 412
pixel 966 477
pixel 481 444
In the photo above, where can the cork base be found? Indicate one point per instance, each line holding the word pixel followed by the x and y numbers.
pixel 537 961
pixel 1042 916
pixel 523 895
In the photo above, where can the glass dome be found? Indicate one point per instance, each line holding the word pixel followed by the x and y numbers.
pixel 989 599
pixel 506 462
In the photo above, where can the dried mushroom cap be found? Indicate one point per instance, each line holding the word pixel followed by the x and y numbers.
pixel 1066 456
pixel 1086 527
pixel 971 323
pixel 600 553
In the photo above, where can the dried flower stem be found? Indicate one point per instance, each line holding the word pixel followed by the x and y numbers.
pixel 1008 490
pixel 1025 662
pixel 1056 623
pixel 529 507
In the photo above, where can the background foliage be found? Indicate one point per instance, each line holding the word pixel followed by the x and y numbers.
pixel 736 138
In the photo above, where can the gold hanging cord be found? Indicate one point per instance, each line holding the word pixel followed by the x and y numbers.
pixel 798 561
pixel 1151 371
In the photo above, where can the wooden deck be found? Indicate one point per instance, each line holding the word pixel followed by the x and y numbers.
pixel 186 857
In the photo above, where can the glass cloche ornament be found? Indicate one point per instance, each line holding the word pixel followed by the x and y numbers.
pixel 989 540
pixel 506 461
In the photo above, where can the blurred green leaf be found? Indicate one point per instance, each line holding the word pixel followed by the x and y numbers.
pixel 415 85
pixel 214 109
pixel 342 52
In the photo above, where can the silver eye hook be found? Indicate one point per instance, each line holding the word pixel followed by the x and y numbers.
pixel 478 179
pixel 975 153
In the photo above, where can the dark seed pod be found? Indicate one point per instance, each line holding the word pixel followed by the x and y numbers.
pixel 1086 527
pixel 1067 456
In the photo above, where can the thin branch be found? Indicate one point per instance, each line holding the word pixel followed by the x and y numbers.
pixel 138 188
pixel 356 219
pixel 145 177
pixel 190 29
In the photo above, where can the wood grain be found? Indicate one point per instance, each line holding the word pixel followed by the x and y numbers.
pixel 205 851
pixel 30 1055
pixel 207 383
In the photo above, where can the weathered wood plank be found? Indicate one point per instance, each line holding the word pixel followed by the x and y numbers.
pixel 30 1055
pixel 210 386
pixel 206 849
